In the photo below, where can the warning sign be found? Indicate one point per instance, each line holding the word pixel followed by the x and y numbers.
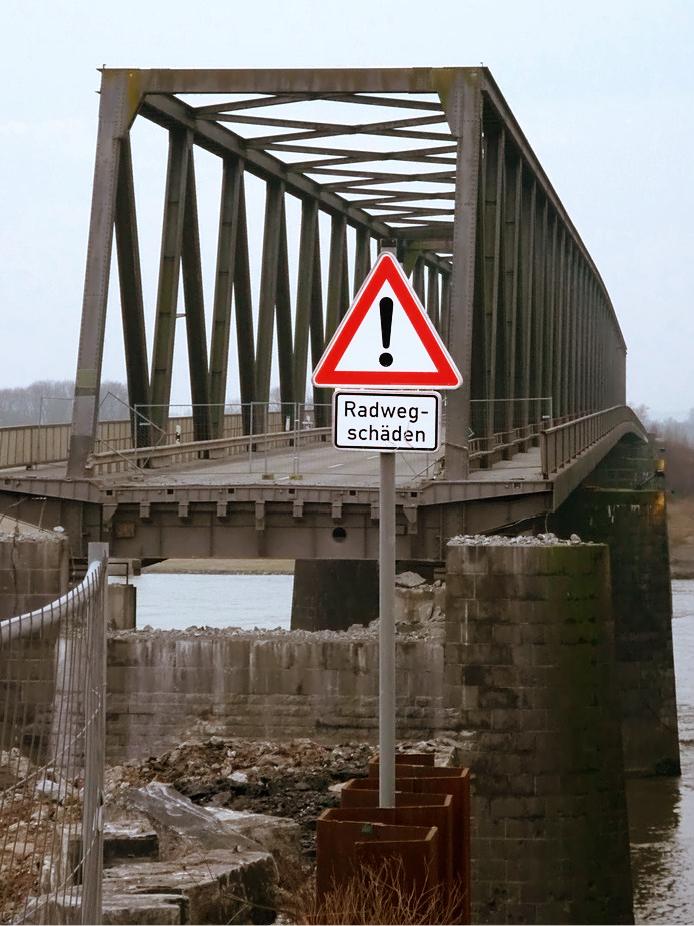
pixel 386 339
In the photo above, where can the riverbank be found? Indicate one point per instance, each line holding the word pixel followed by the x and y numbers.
pixel 681 534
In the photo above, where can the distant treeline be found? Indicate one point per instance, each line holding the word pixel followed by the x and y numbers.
pixel 50 402
pixel 677 438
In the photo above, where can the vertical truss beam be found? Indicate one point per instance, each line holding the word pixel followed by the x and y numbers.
pixel 320 396
pixel 304 293
pixel 511 260
pixel 527 250
pixel 191 268
pixel 432 303
pixel 344 285
pixel 169 274
pixel 492 185
pixel 113 123
pixel 285 354
pixel 243 304
pixel 362 259
pixel 268 296
pixel 464 112
pixel 551 308
pixel 445 323
pixel 418 279
pixel 568 403
pixel 560 309
pixel 132 303
pixel 539 310
pixel 232 174
pixel 336 273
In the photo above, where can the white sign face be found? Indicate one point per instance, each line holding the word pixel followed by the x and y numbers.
pixel 386 420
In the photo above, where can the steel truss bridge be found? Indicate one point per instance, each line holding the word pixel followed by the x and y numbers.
pixel 429 161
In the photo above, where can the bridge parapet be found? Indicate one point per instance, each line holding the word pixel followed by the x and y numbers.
pixel 569 451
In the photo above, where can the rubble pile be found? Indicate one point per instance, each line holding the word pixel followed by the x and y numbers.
pixel 40 810
pixel 498 540
pixel 291 779
pixel 297 779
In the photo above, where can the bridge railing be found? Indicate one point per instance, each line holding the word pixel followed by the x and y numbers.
pixel 40 444
pixel 52 723
pixel 256 429
pixel 561 444
pixel 500 428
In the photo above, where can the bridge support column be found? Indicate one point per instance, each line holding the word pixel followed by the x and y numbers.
pixel 334 594
pixel 530 677
pixel 633 522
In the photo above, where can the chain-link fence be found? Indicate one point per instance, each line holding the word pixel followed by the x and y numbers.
pixel 52 697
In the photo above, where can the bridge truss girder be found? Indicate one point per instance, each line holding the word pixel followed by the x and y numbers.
pixel 452 182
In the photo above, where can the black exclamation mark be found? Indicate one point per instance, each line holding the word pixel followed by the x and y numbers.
pixel 386 308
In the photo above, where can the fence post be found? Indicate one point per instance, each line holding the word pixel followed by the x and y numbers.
pixel 95 716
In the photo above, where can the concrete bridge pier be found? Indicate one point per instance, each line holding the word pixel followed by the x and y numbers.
pixel 615 507
pixel 531 684
pixel 331 594
pixel 334 594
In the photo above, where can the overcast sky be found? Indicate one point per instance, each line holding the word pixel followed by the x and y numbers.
pixel 603 90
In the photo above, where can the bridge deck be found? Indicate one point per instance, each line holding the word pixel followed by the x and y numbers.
pixel 324 465
pixel 293 495
pixel 318 465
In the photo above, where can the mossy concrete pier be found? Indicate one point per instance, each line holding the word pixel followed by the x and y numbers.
pixel 624 506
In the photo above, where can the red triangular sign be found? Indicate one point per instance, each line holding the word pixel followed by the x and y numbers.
pixel 386 339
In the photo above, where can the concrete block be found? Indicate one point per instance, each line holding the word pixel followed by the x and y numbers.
pixel 211 882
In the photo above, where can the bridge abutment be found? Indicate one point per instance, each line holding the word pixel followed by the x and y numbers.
pixel 530 677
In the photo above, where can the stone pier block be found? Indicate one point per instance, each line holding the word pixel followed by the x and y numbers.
pixel 531 677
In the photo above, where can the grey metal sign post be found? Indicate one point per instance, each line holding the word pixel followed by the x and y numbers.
pixel 386 639
pixel 386 342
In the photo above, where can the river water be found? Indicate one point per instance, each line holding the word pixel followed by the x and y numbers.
pixel 661 811
pixel 176 601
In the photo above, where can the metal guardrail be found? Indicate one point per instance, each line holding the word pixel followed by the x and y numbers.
pixel 40 444
pixel 52 722
pixel 141 457
pixel 561 444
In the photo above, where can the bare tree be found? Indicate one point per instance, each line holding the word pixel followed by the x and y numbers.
pixel 50 402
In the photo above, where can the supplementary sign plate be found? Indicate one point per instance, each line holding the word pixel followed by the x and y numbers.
pixel 386 420
pixel 386 340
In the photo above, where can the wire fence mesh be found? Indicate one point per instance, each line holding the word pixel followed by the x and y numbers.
pixel 52 704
